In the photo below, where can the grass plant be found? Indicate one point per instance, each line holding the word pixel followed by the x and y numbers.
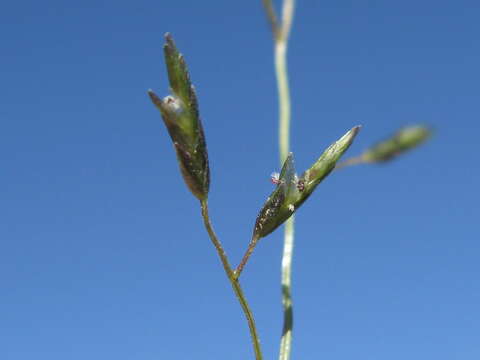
pixel 180 113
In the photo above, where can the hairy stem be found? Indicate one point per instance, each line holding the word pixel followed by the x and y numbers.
pixel 233 280
pixel 245 258
pixel 211 233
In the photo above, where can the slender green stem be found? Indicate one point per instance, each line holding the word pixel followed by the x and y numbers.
pixel 287 17
pixel 216 242
pixel 281 34
pixel 249 315
pixel 233 280
pixel 281 41
pixel 284 99
pixel 286 341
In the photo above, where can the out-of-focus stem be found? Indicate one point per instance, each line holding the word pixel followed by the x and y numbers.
pixel 286 340
pixel 233 280
pixel 281 70
pixel 271 16
pixel 281 34
pixel 284 99
pixel 357 160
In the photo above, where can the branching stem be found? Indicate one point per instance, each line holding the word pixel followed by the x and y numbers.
pixel 233 280
pixel 271 16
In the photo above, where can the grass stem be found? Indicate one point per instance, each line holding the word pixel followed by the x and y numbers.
pixel 286 340
pixel 233 280
pixel 281 33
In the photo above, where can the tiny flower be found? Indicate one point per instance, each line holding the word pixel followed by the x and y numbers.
pixel 275 178
pixel 292 191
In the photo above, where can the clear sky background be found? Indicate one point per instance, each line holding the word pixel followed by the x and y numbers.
pixel 102 250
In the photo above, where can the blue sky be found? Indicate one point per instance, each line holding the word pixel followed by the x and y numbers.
pixel 102 250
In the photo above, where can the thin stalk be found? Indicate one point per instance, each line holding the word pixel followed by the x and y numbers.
pixel 281 44
pixel 213 237
pixel 357 160
pixel 286 341
pixel 287 17
pixel 245 258
pixel 284 99
pixel 233 280
pixel 281 34
pixel 249 315
pixel 271 16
